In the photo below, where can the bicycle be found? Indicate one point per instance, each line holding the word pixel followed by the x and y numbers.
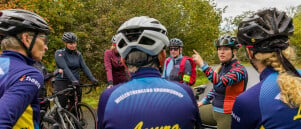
pixel 58 117
pixel 82 111
pixel 198 90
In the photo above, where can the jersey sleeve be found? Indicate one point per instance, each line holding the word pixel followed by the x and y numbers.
pixel 18 97
pixel 85 68
pixel 210 95
pixel 235 75
pixel 246 112
pixel 108 67
pixel 61 63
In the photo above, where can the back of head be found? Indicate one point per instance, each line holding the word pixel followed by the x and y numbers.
pixel 142 34
pixel 227 41
pixel 266 31
pixel 175 42
pixel 266 34
pixel 69 37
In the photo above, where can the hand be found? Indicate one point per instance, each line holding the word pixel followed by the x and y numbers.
pixel 200 103
pixel 95 82
pixel 109 86
pixel 75 83
pixel 61 71
pixel 57 71
pixel 197 58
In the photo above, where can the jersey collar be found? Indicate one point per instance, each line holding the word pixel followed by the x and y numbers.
pixel 145 72
pixel 18 56
pixel 266 72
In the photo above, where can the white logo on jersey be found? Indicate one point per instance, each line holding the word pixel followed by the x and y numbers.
pixel 277 97
pixel 34 81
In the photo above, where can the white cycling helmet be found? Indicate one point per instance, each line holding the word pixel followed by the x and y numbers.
pixel 143 33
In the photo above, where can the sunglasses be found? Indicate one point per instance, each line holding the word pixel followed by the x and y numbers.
pixel 44 38
pixel 173 49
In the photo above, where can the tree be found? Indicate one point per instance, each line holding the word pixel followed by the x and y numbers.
pixel 96 21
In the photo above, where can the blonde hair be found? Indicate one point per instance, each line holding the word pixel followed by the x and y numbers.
pixel 290 85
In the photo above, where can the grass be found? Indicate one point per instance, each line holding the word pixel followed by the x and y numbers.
pixel 93 97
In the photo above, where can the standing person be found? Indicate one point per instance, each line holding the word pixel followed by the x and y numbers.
pixel 275 101
pixel 115 69
pixel 71 61
pixel 229 80
pixel 25 42
pixel 177 67
pixel 147 100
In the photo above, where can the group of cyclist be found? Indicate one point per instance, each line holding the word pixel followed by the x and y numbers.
pixel 141 95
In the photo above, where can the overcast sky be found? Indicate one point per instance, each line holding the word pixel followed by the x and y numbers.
pixel 236 7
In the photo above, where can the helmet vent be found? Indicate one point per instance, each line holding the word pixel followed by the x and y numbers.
pixel 155 22
pixel 146 41
pixel 122 44
pixel 16 19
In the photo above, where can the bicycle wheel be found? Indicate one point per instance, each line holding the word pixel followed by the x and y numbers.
pixel 68 120
pixel 86 116
pixel 49 123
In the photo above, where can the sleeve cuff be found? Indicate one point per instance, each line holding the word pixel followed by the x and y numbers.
pixel 205 66
pixel 110 82
pixel 205 101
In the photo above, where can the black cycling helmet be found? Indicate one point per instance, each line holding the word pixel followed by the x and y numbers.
pixel 15 21
pixel 175 42
pixel 260 31
pixel 69 37
pixel 228 41
pixel 268 31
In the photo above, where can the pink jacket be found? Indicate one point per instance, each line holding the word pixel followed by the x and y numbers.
pixel 115 70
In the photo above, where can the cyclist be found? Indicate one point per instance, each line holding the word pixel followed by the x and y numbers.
pixel 115 69
pixel 47 76
pixel 274 102
pixel 147 100
pixel 172 64
pixel 229 80
pixel 25 40
pixel 71 61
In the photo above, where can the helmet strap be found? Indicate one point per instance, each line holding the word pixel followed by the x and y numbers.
pixel 28 50
pixel 286 64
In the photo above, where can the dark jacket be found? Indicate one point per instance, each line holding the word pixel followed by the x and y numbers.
pixel 71 62
pixel 115 70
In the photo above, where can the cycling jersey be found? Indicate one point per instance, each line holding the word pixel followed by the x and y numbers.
pixel 261 107
pixel 148 101
pixel 71 62
pixel 172 69
pixel 231 80
pixel 19 86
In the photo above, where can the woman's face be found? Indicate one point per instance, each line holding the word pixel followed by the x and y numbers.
pixel 224 54
pixel 71 46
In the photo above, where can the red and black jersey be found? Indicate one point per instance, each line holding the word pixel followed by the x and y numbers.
pixel 231 80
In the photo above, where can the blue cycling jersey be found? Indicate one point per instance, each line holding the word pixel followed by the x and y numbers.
pixel 261 107
pixel 19 85
pixel 148 101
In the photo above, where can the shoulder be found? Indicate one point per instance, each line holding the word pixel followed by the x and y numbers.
pixel 108 52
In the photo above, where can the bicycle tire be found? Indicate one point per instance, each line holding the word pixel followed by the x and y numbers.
pixel 86 116
pixel 49 123
pixel 72 122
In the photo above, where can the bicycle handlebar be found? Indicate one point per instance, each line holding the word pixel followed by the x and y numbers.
pixel 85 85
